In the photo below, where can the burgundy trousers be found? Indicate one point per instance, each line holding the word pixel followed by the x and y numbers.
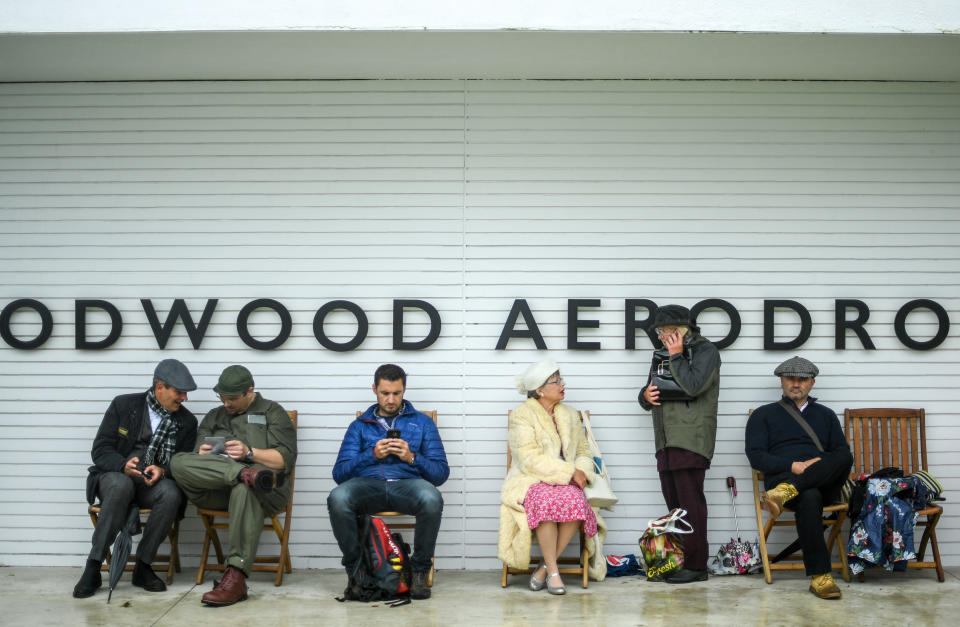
pixel 684 488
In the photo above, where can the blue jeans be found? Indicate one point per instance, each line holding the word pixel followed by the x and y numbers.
pixel 365 495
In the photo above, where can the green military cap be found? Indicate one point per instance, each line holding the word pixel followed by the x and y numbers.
pixel 234 380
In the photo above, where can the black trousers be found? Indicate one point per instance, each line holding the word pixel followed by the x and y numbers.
pixel 117 493
pixel 818 485
pixel 684 488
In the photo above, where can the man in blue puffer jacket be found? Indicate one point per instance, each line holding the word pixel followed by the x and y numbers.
pixel 391 459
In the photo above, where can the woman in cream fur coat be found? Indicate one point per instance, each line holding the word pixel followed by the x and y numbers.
pixel 543 490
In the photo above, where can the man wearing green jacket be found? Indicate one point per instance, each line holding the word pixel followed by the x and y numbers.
pixel 685 431
pixel 244 474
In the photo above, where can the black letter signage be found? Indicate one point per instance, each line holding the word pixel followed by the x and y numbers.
pixel 286 324
pixel 728 309
pixel 574 323
pixel 398 307
pixel 46 323
pixel 329 344
pixel 179 310
pixel 520 308
pixel 769 310
pixel 631 324
pixel 80 308
pixel 943 324
pixel 841 324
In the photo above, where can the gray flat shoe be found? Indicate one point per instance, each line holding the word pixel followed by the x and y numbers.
pixel 535 585
pixel 555 590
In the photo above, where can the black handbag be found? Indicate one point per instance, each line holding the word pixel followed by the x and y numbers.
pixel 661 377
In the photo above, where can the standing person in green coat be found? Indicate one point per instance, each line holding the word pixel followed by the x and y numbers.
pixel 245 475
pixel 685 430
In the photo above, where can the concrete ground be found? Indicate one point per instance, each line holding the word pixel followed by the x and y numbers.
pixel 42 596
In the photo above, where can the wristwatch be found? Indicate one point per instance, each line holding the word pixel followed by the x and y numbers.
pixel 249 456
pixel 413 458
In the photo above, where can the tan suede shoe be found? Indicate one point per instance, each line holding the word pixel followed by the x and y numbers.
pixel 825 587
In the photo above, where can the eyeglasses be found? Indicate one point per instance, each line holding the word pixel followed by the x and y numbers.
pixel 665 330
pixel 557 381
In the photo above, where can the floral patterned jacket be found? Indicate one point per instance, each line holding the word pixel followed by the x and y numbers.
pixel 882 535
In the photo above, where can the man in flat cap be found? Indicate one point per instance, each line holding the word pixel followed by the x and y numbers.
pixel 245 475
pixel 137 439
pixel 798 445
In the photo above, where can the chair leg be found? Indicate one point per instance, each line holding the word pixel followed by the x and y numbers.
pixel 584 558
pixel 503 576
pixel 833 538
pixel 762 538
pixel 209 532
pixel 174 563
pixel 936 549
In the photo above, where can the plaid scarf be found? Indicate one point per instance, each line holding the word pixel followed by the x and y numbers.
pixel 164 441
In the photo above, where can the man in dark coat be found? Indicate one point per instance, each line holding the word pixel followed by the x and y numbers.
pixel 799 474
pixel 137 439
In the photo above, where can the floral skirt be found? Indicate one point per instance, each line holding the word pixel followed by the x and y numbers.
pixel 559 503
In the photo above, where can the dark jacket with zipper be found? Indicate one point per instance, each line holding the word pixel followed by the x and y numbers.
pixel 356 458
pixel 690 425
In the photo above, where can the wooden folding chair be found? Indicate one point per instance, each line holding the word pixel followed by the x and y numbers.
pixel 795 560
pixel 169 560
pixel 570 565
pixel 262 563
pixel 895 437
pixel 410 525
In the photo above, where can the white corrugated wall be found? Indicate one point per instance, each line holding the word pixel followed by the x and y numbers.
pixel 468 195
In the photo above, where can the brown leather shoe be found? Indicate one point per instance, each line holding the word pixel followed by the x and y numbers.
pixel 824 586
pixel 231 589
pixel 260 479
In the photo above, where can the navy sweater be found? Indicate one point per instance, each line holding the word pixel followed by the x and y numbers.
pixel 774 440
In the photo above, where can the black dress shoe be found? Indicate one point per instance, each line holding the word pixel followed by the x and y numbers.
pixel 144 577
pixel 89 582
pixel 685 575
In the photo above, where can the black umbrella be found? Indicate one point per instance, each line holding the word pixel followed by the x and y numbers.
pixel 121 547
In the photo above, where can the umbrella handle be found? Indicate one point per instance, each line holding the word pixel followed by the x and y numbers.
pixel 732 484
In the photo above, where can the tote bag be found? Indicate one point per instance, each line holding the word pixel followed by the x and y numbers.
pixel 599 493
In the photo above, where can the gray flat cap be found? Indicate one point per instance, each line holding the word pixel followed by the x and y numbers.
pixel 797 367
pixel 173 372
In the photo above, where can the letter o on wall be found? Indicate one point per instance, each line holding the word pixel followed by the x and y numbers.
pixel 943 324
pixel 362 326
pixel 728 309
pixel 286 324
pixel 46 323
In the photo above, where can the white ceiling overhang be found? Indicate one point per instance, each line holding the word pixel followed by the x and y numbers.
pixel 502 54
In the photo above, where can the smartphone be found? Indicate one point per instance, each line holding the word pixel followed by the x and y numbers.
pixel 218 442
pixel 393 433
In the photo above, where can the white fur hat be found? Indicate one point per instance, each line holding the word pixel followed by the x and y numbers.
pixel 536 375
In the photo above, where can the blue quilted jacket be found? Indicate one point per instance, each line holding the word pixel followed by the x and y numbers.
pixel 356 458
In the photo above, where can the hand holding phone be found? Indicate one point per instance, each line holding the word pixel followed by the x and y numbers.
pixel 217 442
